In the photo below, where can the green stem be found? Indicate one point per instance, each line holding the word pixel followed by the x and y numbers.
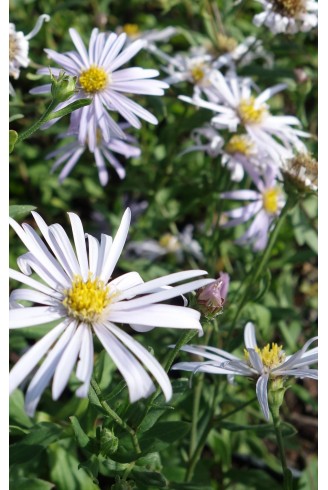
pixel 257 271
pixel 28 132
pixel 288 481
pixel 115 416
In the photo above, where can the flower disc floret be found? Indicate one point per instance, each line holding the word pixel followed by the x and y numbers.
pixel 290 8
pixel 271 357
pixel 239 144
pixel 87 300
pixel 94 79
pixel 249 112
pixel 198 73
pixel 271 200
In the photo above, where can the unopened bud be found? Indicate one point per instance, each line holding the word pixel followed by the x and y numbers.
pixel 211 298
pixel 108 442
pixel 276 393
pixel 63 87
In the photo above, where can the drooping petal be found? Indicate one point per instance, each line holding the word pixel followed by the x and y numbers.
pixel 262 395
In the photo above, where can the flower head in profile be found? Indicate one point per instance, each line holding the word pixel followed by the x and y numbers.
pixel 211 298
pixel 301 173
pixel 268 366
pixel 265 205
pixel 100 77
pixel 240 109
pixel 69 154
pixel 76 289
pixel 19 47
pixel 288 16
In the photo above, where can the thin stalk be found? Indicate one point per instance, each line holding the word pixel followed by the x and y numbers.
pixel 255 274
pixel 115 416
pixel 288 481
pixel 28 132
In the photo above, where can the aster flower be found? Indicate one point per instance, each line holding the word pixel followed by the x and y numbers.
pixel 242 54
pixel 19 46
pixel 239 108
pixel 288 16
pixel 77 289
pixel 99 78
pixel 234 153
pixel 178 245
pixel 266 204
pixel 266 365
pixel 211 298
pixel 69 154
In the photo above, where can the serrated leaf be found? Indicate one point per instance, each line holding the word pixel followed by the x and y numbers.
pixel 19 212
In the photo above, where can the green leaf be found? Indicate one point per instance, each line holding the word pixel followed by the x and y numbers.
pixel 34 443
pixel 80 435
pixel 162 435
pixel 309 478
pixel 189 486
pixel 13 137
pixel 253 479
pixel 30 484
pixel 19 212
pixel 148 478
pixel 17 412
pixel 77 104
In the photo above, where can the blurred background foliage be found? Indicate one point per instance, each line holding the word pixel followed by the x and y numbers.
pixel 64 447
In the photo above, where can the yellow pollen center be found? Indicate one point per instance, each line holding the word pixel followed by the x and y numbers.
pixel 290 8
pixel 271 200
pixel 271 356
pixel 249 112
pixel 12 47
pixel 239 144
pixel 93 79
pixel 86 301
pixel 131 29
pixel 170 242
pixel 197 73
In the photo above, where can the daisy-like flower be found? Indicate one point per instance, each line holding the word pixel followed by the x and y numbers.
pixel 99 78
pixel 77 289
pixel 69 154
pixel 266 204
pixel 243 54
pixel 239 108
pixel 288 16
pixel 178 245
pixel 19 46
pixel 265 365
pixel 234 153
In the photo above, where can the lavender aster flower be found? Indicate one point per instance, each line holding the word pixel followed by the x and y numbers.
pixel 99 78
pixel 266 204
pixel 265 365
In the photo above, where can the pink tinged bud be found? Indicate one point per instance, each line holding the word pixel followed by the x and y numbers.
pixel 212 297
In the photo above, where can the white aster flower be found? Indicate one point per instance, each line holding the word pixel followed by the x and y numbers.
pixel 234 153
pixel 76 289
pixel 19 46
pixel 266 204
pixel 243 54
pixel 178 245
pixel 69 154
pixel 264 365
pixel 288 16
pixel 274 135
pixel 99 78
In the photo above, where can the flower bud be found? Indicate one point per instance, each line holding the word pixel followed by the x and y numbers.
pixel 108 442
pixel 276 393
pixel 211 298
pixel 63 87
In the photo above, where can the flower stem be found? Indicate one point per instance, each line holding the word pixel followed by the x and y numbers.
pixel 257 271
pixel 115 416
pixel 288 479
pixel 28 132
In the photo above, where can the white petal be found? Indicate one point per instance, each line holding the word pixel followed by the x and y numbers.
pixel 85 365
pixel 18 276
pixel 105 246
pixel 93 253
pixel 137 379
pixel 116 248
pixel 30 359
pixel 262 395
pixel 79 240
pixel 66 363
pixel 61 238
pixel 33 315
pixel 126 55
pixel 127 281
pixel 147 359
pixel 256 361
pixel 76 38
pixel 33 296
pixel 249 336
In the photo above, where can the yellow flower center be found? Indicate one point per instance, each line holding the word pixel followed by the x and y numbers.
pixel 271 200
pixel 86 300
pixel 271 356
pixel 250 113
pixel 131 29
pixel 239 143
pixel 290 8
pixel 12 47
pixel 197 73
pixel 94 79
pixel 170 242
